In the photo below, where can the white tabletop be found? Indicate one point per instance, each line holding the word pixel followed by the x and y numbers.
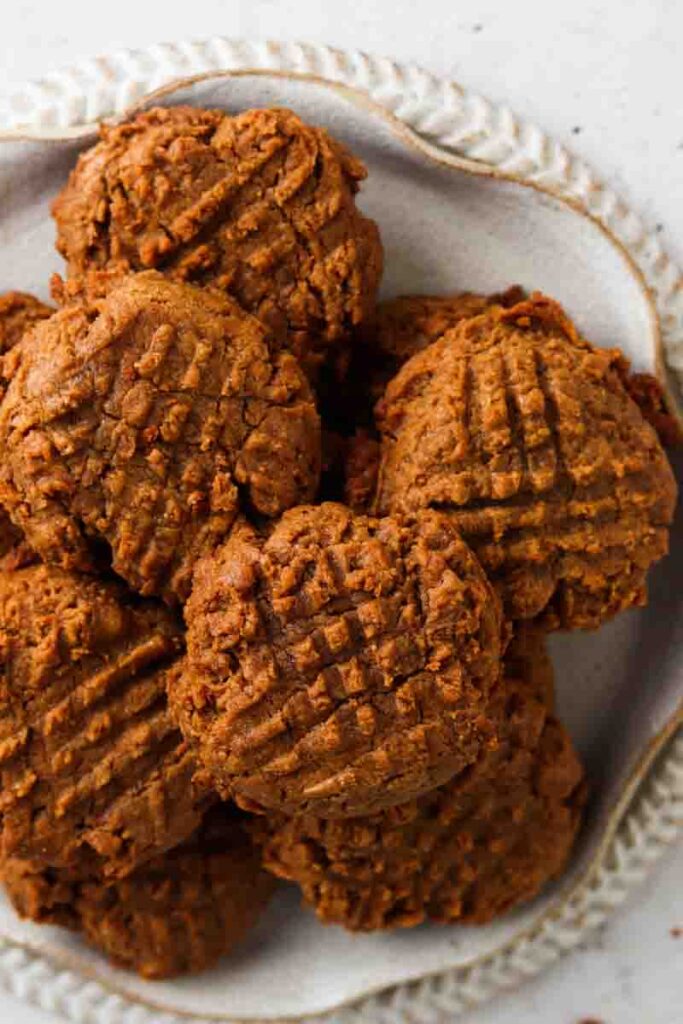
pixel 604 77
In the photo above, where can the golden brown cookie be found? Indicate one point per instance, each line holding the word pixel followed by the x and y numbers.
pixel 482 843
pixel 340 664
pixel 177 914
pixel 146 426
pixel 19 312
pixel 407 324
pixel 92 768
pixel 259 204
pixel 91 287
pixel 526 436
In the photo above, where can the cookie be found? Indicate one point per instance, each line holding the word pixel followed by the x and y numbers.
pixel 18 313
pixel 339 664
pixel 469 851
pixel 177 914
pixel 361 467
pixel 138 430
pixel 399 328
pixel 528 663
pixel 525 434
pixel 649 396
pixel 93 770
pixel 259 204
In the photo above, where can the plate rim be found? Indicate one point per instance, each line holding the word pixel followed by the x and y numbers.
pixel 459 125
pixel 463 130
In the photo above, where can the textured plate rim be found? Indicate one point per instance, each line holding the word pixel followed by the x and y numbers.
pixel 462 126
pixel 459 129
pixel 452 161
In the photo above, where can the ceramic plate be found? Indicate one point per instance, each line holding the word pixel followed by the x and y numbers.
pixel 466 198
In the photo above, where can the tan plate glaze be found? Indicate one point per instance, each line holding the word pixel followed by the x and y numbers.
pixel 619 689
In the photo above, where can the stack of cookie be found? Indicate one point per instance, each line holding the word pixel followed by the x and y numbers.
pixel 277 563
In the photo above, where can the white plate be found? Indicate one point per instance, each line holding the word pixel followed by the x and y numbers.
pixel 455 211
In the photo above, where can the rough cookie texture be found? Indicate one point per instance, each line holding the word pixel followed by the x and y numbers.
pixel 259 204
pixel 177 914
pixel 92 768
pixel 19 312
pixel 525 434
pixel 349 469
pixel 41 894
pixel 398 329
pixel 361 466
pixel 90 288
pixel 147 425
pixel 341 664
pixel 472 849
pixel 14 551
pixel 648 394
pixel 528 664
pixel 406 325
